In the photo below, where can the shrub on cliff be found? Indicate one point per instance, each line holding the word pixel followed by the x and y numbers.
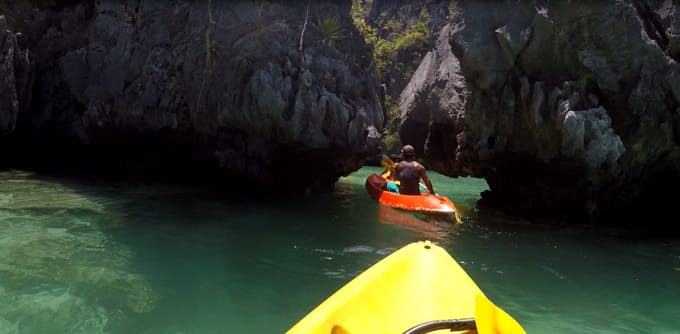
pixel 330 30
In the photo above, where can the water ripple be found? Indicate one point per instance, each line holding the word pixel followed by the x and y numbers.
pixel 359 249
pixel 59 271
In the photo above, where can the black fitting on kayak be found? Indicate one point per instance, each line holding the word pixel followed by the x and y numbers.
pixel 453 325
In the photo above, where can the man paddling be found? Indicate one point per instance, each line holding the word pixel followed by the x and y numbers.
pixel 409 172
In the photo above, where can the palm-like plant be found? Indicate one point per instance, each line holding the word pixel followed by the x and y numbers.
pixel 330 31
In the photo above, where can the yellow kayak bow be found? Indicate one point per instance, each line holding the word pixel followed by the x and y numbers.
pixel 417 289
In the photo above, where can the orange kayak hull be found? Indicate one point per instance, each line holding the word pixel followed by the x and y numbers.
pixel 423 203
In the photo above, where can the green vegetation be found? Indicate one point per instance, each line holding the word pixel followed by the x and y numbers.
pixel 369 33
pixel 392 122
pixel 397 46
pixel 398 35
pixel 212 48
pixel 452 6
pixel 330 30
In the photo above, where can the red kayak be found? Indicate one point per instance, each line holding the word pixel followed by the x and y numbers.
pixel 423 203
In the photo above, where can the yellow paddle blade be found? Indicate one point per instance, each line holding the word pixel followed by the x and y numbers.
pixel 463 209
pixel 387 163
pixel 457 215
pixel 493 320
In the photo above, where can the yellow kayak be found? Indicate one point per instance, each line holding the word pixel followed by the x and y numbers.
pixel 419 288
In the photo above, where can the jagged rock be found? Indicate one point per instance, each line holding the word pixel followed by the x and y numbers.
pixel 566 106
pixel 9 104
pixel 217 85
pixel 386 16
pixel 432 104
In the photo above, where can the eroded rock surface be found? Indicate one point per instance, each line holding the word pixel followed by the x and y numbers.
pixel 568 109
pixel 14 78
pixel 213 85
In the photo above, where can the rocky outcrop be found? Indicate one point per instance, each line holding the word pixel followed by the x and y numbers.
pixel 568 109
pixel 9 105
pixel 396 19
pixel 14 77
pixel 254 90
pixel 400 33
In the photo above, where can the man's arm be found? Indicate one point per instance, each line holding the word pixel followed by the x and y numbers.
pixel 428 184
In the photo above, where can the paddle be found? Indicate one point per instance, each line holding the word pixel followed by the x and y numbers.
pixel 491 319
pixel 387 163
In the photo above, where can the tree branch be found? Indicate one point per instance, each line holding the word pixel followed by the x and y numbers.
pixel 304 26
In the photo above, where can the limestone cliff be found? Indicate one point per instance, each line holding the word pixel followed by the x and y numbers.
pixel 271 92
pixel 14 79
pixel 9 106
pixel 568 109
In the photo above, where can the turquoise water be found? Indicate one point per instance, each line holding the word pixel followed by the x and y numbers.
pixel 87 256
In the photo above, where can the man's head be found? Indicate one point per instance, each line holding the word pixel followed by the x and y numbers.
pixel 407 152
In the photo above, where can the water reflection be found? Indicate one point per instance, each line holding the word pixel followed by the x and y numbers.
pixel 424 228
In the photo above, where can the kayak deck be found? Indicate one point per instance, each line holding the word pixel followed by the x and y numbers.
pixel 416 284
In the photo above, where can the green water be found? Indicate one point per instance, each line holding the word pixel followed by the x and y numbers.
pixel 100 257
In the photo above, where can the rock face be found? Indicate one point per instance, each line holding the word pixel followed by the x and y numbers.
pixel 385 15
pixel 226 86
pixel 402 31
pixel 568 109
pixel 14 76
pixel 9 105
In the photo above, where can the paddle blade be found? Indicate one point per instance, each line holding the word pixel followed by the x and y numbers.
pixel 387 163
pixel 456 215
pixel 463 209
pixel 493 320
